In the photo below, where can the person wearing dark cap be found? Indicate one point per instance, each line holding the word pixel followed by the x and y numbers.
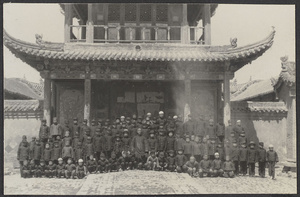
pixel 37 152
pixel 252 159
pixel 139 147
pixel 180 160
pixel 220 130
pixel 109 145
pixel 76 128
pixel 242 138
pixel 217 165
pixel 113 163
pixel 126 141
pixel 161 140
pixel 44 132
pixel 50 171
pixel 88 148
pixel 170 141
pixel 91 165
pixel 93 128
pixel 67 127
pixel 234 157
pixel 70 169
pixel 220 150
pixel 152 142
pixel 67 152
pixel 152 161
pixel 118 146
pixel 238 129
pixel 272 159
pixel 170 160
pixel 261 158
pixel 103 164
pixel 84 128
pixel 210 130
pixel 41 169
pixel 55 129
pixel 22 155
pixel 31 147
pixel 56 153
pixel 100 123
pixel 78 151
pixel 99 143
pixel 229 130
pixel 47 153
pixel 243 156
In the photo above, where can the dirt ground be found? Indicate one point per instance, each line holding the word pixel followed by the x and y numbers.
pixel 148 182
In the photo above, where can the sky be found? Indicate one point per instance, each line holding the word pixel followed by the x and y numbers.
pixel 247 23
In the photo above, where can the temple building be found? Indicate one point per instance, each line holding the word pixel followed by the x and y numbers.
pixel 124 59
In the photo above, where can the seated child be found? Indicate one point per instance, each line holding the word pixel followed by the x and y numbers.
pixel 152 161
pixel 180 160
pixel 122 161
pixel 162 164
pixel 205 167
pixel 113 163
pixel 26 169
pixel 171 162
pixel 228 168
pixel 70 169
pixel 91 165
pixel 217 166
pixel 103 164
pixel 80 170
pixel 60 168
pixel 40 171
pixel 56 152
pixel 51 170
pixel 191 167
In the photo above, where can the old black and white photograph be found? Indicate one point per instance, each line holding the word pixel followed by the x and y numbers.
pixel 149 98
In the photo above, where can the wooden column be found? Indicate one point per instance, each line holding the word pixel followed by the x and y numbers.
pixel 207 24
pixel 90 25
pixel 53 100
pixel 47 99
pixel 187 105
pixel 185 36
pixel 226 94
pixel 68 21
pixel 87 99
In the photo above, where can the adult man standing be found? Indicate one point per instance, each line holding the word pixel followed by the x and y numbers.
pixel 189 126
pixel 238 129
pixel 139 147
pixel 76 128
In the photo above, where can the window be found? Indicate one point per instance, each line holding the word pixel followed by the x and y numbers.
pixel 162 13
pixel 114 12
pixel 130 12
pixel 145 13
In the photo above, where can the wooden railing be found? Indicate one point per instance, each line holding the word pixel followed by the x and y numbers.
pixel 136 34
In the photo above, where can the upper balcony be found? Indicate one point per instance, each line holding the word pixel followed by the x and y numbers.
pixel 138 23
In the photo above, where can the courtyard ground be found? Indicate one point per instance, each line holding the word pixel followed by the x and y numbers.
pixel 148 182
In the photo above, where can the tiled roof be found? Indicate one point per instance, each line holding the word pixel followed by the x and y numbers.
pixel 246 106
pixel 254 89
pixel 144 51
pixel 23 106
pixel 23 87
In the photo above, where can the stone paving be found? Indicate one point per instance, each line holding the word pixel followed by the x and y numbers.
pixel 147 182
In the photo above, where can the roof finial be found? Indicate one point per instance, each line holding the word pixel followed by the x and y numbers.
pixel 233 42
pixel 284 58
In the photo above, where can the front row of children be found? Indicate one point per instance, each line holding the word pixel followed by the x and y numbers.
pixel 171 163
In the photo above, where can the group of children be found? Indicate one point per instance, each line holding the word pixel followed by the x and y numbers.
pixel 145 144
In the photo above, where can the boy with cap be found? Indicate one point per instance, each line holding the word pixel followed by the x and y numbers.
pixel 78 151
pixel 187 147
pixel 67 127
pixel 67 152
pixel 103 164
pixel 242 139
pixel 152 161
pixel 161 140
pixel 113 163
pixel 76 139
pixel 162 164
pixel 171 161
pixel 76 128
pixel 170 142
pixel 217 166
pixel 126 141
pixel 212 146
pixel 191 167
pixel 50 169
pixel 37 152
pixel 70 169
pixel 205 147
pixel 234 158
pixel 180 160
pixel 56 153
pixel 32 168
pixel 60 168
pixel 196 149
pixel 99 143
pixel 88 148
pixel 220 150
pixel 93 128
pixel 47 153
pixel 66 138
pixel 22 155
pixel 205 167
pixel 118 146
pixel 272 159
pixel 252 158
pixel 161 118
pixel 228 168
pixel 189 126
pixel 31 147
pixel 145 131
pixel 178 144
pixel 44 132
pixel 55 129
pixel 80 170
pixel 152 142
pixel 86 135
pixel 91 165
pixel 40 170
pixel 109 143
pixel 243 156
pixel 84 128
pixel 238 129
pixel 261 158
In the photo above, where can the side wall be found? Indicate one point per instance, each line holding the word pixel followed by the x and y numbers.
pixel 14 129
pixel 269 128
